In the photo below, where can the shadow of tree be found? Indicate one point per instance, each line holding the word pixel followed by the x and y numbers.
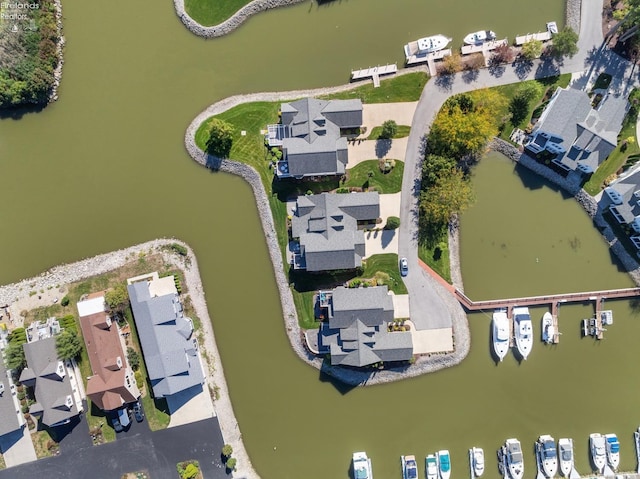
pixel 444 82
pixel 19 112
pixel 382 148
pixel 469 76
pixel 497 70
pixel 522 68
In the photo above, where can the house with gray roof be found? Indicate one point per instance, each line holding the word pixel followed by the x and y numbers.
pixel 622 199
pixel 312 136
pixel 166 335
pixel 328 228
pixel 356 333
pixel 12 418
pixel 576 136
pixel 51 382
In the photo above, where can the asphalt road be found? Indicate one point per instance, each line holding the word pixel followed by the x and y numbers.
pixel 156 452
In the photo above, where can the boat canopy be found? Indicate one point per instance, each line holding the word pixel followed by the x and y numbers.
pixel 565 453
pixel 444 462
pixel 515 452
pixel 549 449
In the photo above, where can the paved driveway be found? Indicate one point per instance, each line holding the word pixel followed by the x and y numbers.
pixel 375 114
pixel 156 452
pixel 376 150
pixel 17 448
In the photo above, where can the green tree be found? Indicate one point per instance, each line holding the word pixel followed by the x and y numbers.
pixel 14 356
pixel 68 345
pixel 519 106
pixel 227 450
pixel 435 167
pixel 134 358
pixel 531 49
pixel 451 195
pixel 219 138
pixel 393 222
pixel 565 43
pixel 389 130
pixel 65 301
pixel 190 471
pixel 117 298
pixel 231 463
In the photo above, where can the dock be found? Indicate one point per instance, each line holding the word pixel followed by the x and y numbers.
pixel 429 58
pixel 483 47
pixel 545 36
pixel 374 72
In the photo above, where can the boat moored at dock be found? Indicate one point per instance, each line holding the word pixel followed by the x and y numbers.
pixel 565 454
pixel 426 45
pixel 523 331
pixel 548 330
pixel 613 451
pixel 598 451
pixel 547 455
pixel 512 459
pixel 409 467
pixel 431 467
pixel 476 461
pixel 500 333
pixel 444 464
pixel 479 37
pixel 361 466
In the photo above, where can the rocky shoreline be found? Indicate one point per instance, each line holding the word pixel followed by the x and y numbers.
pixel 57 73
pixel 231 23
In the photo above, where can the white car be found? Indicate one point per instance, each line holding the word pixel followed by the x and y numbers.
pixel 404 266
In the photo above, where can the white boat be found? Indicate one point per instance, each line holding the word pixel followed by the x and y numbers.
pixel 598 451
pixel 548 330
pixel 476 461
pixel 500 332
pixel 426 45
pixel 431 467
pixel 444 464
pixel 523 331
pixel 409 467
pixel 613 451
pixel 478 38
pixel 565 454
pixel 547 455
pixel 361 466
pixel 513 458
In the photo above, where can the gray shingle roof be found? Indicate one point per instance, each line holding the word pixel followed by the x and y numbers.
pixel 8 413
pixel 313 145
pixel 52 387
pixel 360 317
pixel 327 226
pixel 169 354
pixel 586 135
pixel 626 189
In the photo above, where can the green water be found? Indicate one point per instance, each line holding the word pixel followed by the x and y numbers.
pixel 105 168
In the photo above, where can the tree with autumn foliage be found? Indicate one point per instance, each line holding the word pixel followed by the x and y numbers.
pixel 450 194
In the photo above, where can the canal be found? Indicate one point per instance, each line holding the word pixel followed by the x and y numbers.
pixel 105 168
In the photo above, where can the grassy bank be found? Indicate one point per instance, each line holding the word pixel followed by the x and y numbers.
pixel 399 89
pixel 212 12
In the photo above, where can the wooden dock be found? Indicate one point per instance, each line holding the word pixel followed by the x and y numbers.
pixel 430 59
pixel 540 36
pixel 484 47
pixel 374 72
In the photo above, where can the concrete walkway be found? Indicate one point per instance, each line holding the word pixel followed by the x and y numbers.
pixel 376 150
pixel 17 448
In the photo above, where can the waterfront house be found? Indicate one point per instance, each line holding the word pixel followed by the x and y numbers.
pixel 54 385
pixel 575 136
pixel 12 418
pixel 313 136
pixel 113 382
pixel 622 199
pixel 356 333
pixel 328 228
pixel 166 335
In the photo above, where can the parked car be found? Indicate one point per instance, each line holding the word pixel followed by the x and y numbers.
pixel 404 266
pixel 116 424
pixel 137 411
pixel 124 416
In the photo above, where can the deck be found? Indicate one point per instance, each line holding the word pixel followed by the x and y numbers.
pixel 540 36
pixel 483 47
pixel 430 59
pixel 374 73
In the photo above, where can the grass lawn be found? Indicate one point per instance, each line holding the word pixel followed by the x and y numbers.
pixel 403 131
pixel 437 260
pixel 2 464
pixel 397 89
pixel 212 12
pixel 509 91
pixel 304 306
pixel 386 263
pixel 384 183
pixel 43 444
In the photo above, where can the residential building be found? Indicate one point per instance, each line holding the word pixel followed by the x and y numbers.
pixel 313 136
pixel 52 379
pixel 166 335
pixel 328 228
pixel 575 136
pixel 622 199
pixel 356 333
pixel 12 418
pixel 113 382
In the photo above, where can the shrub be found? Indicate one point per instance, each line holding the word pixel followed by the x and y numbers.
pixel 65 301
pixel 134 358
pixel 389 130
pixel 393 222
pixel 25 408
pixel 227 450
pixel 139 379
pixel 179 249
pixel 231 464
pixel 342 190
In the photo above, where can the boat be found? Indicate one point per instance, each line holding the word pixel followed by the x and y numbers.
pixel 523 331
pixel 426 45
pixel 613 451
pixel 636 437
pixel 547 455
pixel 548 330
pixel 598 451
pixel 478 38
pixel 431 467
pixel 409 467
pixel 565 454
pixel 476 461
pixel 514 462
pixel 500 331
pixel 361 466
pixel 444 464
